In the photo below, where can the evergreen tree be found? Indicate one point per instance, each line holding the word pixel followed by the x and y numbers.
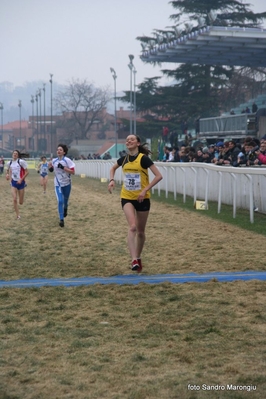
pixel 197 89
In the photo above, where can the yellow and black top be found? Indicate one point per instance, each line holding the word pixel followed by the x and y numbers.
pixel 136 176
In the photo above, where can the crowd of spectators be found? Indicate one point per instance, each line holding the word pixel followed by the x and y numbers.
pixel 94 156
pixel 106 155
pixel 252 152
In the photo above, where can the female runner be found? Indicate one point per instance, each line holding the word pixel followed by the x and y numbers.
pixel 43 170
pixel 63 168
pixel 135 194
pixel 17 171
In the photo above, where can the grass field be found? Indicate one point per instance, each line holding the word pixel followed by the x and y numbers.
pixel 133 342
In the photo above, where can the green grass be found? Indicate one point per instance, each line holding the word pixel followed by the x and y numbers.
pixel 242 219
pixel 145 341
pixel 128 342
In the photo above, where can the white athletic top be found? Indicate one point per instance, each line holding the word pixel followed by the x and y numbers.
pixel 44 168
pixel 62 178
pixel 18 168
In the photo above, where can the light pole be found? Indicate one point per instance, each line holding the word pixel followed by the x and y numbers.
pixel 32 111
pixel 32 125
pixel 135 118
pixel 114 77
pixel 19 105
pixel 36 99
pixel 131 66
pixel 44 110
pixel 2 123
pixel 51 129
pixel 44 116
pixel 40 95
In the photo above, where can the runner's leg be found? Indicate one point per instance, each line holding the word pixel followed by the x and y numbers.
pixel 14 192
pixel 141 220
pixel 60 202
pixel 130 214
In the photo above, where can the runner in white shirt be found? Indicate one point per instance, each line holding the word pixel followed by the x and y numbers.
pixel 63 167
pixel 43 170
pixel 17 171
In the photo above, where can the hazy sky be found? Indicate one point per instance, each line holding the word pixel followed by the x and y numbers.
pixel 80 39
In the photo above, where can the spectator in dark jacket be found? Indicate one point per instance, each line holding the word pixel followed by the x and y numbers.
pixel 252 157
pixel 232 153
pixel 206 155
pixel 177 155
pixel 224 154
pixel 254 108
pixel 212 152
pixel 199 156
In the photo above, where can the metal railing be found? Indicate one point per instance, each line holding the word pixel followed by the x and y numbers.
pixel 240 187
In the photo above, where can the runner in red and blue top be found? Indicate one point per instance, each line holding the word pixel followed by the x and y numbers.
pixel 63 167
pixel 17 171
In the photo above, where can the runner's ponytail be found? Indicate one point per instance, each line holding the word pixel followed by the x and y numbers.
pixel 143 148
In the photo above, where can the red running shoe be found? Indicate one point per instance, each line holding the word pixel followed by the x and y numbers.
pixel 135 265
pixel 140 265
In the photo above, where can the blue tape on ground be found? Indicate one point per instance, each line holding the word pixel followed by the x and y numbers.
pixel 134 279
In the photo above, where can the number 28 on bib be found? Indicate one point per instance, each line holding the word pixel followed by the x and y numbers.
pixel 132 181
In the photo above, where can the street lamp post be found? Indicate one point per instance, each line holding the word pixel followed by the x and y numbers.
pixel 2 123
pixel 131 66
pixel 19 105
pixel 51 129
pixel 37 119
pixel 32 111
pixel 44 111
pixel 114 77
pixel 40 95
pixel 32 118
pixel 135 117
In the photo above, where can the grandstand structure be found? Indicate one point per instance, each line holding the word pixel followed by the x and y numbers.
pixel 236 126
pixel 216 45
pixel 213 45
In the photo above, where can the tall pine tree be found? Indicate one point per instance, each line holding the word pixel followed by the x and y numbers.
pixel 198 90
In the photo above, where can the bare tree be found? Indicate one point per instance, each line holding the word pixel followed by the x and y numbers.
pixel 245 83
pixel 81 104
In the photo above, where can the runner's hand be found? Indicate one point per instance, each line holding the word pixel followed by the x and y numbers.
pixel 111 186
pixel 141 196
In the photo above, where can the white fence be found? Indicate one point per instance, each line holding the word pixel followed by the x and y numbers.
pixel 240 187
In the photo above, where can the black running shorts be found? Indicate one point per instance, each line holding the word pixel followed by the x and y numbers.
pixel 143 206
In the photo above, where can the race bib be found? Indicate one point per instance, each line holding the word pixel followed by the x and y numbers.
pixel 132 181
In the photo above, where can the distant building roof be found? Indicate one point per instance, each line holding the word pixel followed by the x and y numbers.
pixel 15 125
